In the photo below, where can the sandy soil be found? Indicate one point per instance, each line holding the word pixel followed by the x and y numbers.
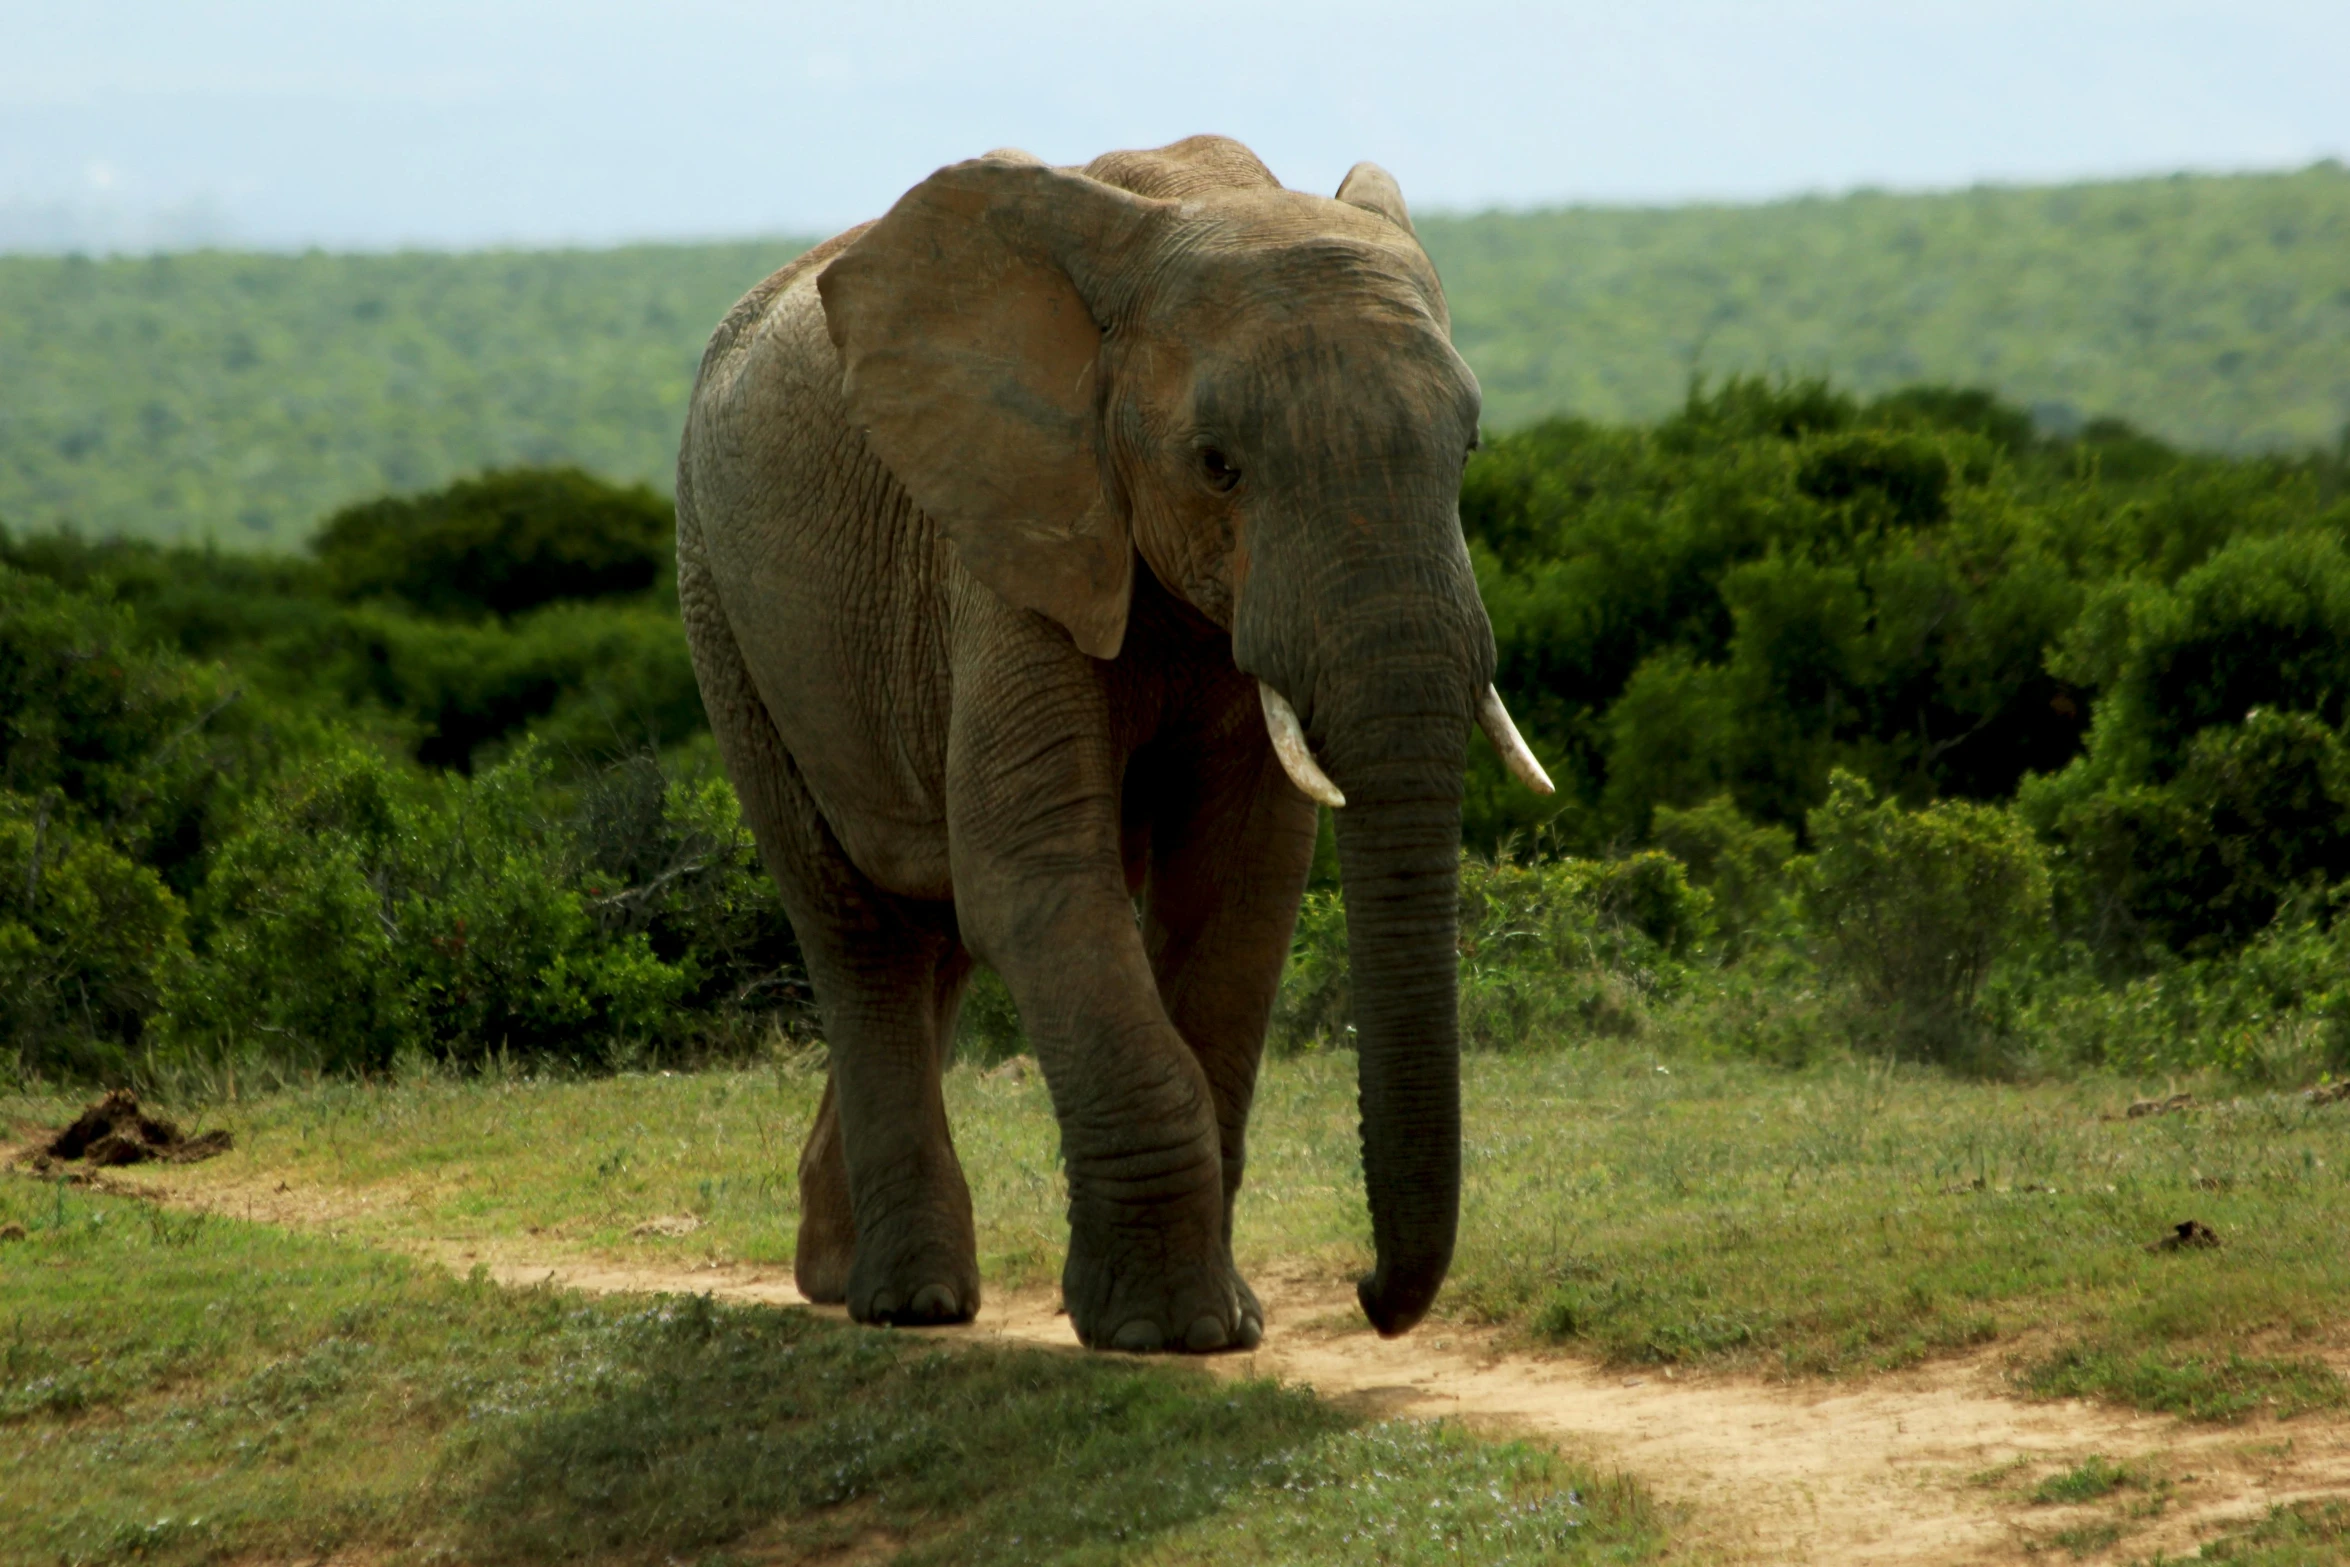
pixel 1926 1466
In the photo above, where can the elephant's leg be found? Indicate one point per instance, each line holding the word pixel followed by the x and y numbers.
pixel 1040 888
pixel 826 1253
pixel 1231 843
pixel 888 983
pixel 887 1225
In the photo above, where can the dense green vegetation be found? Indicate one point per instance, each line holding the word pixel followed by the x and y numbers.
pixel 2133 652
pixel 444 788
pixel 1890 725
pixel 2210 309
pixel 183 1388
pixel 239 398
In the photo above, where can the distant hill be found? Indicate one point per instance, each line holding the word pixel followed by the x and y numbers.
pixel 2213 310
pixel 240 397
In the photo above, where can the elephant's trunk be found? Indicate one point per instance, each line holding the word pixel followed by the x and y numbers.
pixel 1379 643
pixel 1399 854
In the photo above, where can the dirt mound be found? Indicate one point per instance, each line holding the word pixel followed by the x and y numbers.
pixel 2185 1234
pixel 116 1131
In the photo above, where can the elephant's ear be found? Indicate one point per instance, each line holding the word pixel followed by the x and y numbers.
pixel 1373 189
pixel 971 359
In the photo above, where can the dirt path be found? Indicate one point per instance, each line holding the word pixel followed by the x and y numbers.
pixel 1928 1466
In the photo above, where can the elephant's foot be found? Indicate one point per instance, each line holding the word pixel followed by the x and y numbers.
pixel 926 1287
pixel 827 1249
pixel 825 1256
pixel 1146 1310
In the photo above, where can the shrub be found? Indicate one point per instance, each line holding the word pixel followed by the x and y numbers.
pixel 596 681
pixel 1741 866
pixel 1884 477
pixel 987 1030
pixel 2257 815
pixel 1913 907
pixel 363 914
pixel 663 851
pixel 1315 1004
pixel 1548 950
pixel 501 543
pixel 2276 1012
pixel 596 678
pixel 2215 784
pixel 1572 947
pixel 89 939
pixel 98 721
pixel 2264 623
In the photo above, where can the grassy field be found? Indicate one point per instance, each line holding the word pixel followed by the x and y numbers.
pixel 2314 1534
pixel 184 1388
pixel 1641 1207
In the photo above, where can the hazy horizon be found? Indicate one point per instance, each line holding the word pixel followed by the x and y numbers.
pixel 131 125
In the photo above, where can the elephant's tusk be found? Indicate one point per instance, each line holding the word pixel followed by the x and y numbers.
pixel 1297 758
pixel 1494 719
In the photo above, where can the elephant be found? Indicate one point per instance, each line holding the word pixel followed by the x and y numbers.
pixel 1048 549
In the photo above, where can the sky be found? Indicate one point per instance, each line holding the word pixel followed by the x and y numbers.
pixel 131 124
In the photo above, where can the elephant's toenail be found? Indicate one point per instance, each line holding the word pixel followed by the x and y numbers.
pixel 1139 1338
pixel 934 1303
pixel 1251 1334
pixel 883 1306
pixel 1206 1336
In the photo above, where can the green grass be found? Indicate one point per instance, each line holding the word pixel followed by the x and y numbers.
pixel 2096 1482
pixel 2091 1480
pixel 2308 1534
pixel 2229 1386
pixel 1635 1206
pixel 177 1389
pixel 2087 1539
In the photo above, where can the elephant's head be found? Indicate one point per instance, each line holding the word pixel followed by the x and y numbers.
pixel 1255 390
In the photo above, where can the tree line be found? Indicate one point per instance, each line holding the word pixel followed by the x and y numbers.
pixel 237 398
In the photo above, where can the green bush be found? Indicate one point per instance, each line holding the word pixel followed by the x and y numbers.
pixel 1549 951
pixel 89 941
pixel 662 850
pixel 110 728
pixel 366 913
pixel 1314 1006
pixel 2215 783
pixel 2257 815
pixel 185 875
pixel 987 1030
pixel 1912 908
pixel 1772 584
pixel 2274 1013
pixel 500 544
pixel 2263 623
pixel 596 679
pixel 1741 866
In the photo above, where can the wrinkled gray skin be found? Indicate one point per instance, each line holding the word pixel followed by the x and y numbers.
pixel 991 517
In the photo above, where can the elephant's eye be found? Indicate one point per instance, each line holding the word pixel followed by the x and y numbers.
pixel 1217 469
